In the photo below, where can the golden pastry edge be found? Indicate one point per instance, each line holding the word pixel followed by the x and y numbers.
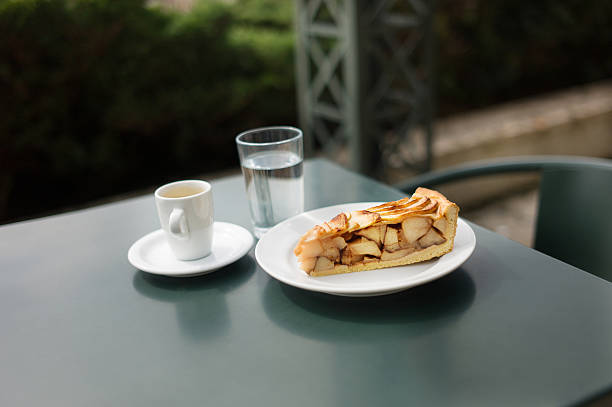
pixel 423 204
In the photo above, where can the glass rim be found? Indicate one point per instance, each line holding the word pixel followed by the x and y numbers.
pixel 269 143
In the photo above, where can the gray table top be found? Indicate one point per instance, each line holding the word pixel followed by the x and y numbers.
pixel 81 326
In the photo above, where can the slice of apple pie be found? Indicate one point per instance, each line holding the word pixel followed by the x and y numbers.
pixel 396 233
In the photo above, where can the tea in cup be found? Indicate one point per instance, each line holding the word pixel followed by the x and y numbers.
pixel 186 215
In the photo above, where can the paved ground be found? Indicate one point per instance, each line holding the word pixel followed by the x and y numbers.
pixel 513 217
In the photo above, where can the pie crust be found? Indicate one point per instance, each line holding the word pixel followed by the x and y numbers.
pixel 410 230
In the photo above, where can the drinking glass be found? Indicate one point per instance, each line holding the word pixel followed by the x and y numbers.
pixel 272 164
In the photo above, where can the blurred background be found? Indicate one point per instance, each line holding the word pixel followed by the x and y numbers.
pixel 103 98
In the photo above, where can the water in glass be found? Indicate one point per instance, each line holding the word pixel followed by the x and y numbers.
pixel 275 187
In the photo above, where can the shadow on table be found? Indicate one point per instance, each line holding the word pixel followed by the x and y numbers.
pixel 331 318
pixel 200 303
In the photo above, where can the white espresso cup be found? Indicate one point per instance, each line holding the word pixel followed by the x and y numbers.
pixel 186 214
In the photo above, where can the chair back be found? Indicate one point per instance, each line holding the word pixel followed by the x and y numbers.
pixel 574 221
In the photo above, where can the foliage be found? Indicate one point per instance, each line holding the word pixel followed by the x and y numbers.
pixel 104 96
pixel 493 51
pixel 99 97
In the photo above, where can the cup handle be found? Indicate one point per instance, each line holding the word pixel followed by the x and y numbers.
pixel 178 224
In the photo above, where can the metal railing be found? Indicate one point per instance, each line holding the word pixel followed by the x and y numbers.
pixel 365 80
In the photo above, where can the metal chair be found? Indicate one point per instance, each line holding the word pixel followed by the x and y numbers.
pixel 574 219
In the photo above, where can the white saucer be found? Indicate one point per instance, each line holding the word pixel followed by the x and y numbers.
pixel 152 254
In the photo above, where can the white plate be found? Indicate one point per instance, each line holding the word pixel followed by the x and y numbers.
pixel 274 253
pixel 152 254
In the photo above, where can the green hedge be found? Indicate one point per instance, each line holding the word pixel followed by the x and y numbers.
pixel 99 97
pixel 491 51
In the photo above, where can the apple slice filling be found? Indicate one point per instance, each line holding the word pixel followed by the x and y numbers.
pixel 372 244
